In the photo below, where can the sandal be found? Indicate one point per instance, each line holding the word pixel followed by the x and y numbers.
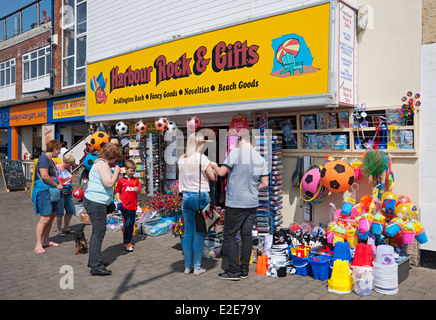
pixel 60 234
pixel 39 250
pixel 69 231
pixel 52 244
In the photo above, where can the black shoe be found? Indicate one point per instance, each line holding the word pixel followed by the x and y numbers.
pixel 103 263
pixel 244 274
pixel 101 271
pixel 229 276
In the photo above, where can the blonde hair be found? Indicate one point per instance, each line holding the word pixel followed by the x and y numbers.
pixel 195 143
pixel 69 159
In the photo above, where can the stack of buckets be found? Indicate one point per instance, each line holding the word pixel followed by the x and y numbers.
pixel 385 271
pixel 341 280
pixel 362 270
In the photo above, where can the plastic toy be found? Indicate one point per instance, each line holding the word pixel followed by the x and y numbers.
pixel 172 127
pixel 99 139
pixel 408 232
pixel 391 143
pixel 347 206
pixel 337 176
pixel 78 193
pixel 341 280
pixel 389 201
pixel 407 110
pixel 89 159
pixel 121 128
pixel 140 127
pixel 193 124
pixel 311 189
pixel 161 124
pixel 394 226
pixel 404 211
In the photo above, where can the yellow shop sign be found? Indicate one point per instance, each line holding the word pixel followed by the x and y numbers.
pixel 276 57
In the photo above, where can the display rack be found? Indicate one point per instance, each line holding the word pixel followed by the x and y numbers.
pixel 276 184
pixel 154 163
pixel 136 154
pixel 262 224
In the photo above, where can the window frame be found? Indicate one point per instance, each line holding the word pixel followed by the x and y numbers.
pixel 6 67
pixel 73 24
pixel 33 58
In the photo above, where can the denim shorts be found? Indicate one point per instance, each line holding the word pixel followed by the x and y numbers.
pixel 45 207
pixel 65 205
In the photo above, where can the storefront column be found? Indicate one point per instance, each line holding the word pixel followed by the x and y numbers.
pixel 13 143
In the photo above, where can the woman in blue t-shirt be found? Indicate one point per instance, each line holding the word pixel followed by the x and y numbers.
pixel 45 178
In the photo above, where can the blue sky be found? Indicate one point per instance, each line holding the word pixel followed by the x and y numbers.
pixel 9 6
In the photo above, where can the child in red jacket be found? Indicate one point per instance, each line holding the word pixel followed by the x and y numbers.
pixel 126 194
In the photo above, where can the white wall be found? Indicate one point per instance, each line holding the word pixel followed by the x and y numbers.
pixel 115 27
pixel 427 146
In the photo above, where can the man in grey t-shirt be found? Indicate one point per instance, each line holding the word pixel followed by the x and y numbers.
pixel 248 173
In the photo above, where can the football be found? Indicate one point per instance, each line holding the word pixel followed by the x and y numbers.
pixel 337 176
pixel 172 126
pixel 89 160
pixel 193 124
pixel 121 128
pixel 140 127
pixel 99 139
pixel 310 182
pixel 161 124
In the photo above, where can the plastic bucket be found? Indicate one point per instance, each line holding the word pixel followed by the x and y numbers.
pixel 385 255
pixel 377 227
pixel 392 229
pixel 320 267
pixel 302 266
pixel 363 287
pixel 421 237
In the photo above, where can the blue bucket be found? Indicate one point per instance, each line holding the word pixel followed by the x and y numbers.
pixel 320 267
pixel 302 266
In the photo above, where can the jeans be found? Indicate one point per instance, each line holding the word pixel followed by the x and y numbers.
pixel 193 241
pixel 235 219
pixel 97 214
pixel 45 206
pixel 129 222
pixel 66 203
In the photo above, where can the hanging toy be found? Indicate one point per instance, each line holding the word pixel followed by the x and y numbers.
pixel 172 127
pixel 78 193
pixel 407 110
pixel 161 124
pixel 337 176
pixel 140 127
pixel 99 139
pixel 193 124
pixel 356 165
pixel 121 128
pixel 311 189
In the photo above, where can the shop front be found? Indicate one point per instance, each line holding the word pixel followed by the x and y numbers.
pixel 291 76
pixel 68 114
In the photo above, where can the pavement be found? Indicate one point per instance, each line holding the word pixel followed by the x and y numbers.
pixel 153 271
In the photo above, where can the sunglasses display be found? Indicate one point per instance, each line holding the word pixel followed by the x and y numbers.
pixel 268 216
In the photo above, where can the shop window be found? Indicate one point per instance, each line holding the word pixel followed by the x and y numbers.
pixel 345 130
pixel 36 70
pixel 7 80
pixel 74 25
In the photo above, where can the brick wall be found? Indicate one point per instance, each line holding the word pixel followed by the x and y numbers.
pixel 28 41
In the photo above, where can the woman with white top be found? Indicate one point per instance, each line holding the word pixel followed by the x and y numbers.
pixel 189 184
pixel 97 198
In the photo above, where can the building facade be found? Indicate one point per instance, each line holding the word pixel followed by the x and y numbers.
pixel 42 91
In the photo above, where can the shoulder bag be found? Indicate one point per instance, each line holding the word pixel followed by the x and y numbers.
pixel 207 217
pixel 55 193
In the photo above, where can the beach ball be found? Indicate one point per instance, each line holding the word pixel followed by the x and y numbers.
pixel 121 128
pixel 99 139
pixel 140 127
pixel 337 176
pixel 310 182
pixel 78 193
pixel 89 160
pixel 403 210
pixel 193 124
pixel 161 124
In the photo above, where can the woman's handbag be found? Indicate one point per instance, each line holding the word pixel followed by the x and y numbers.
pixel 207 217
pixel 55 193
